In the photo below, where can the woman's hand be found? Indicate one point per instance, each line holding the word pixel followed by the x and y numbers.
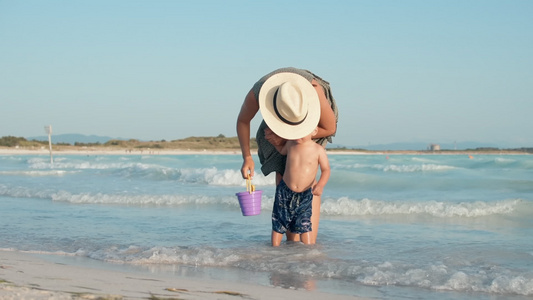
pixel 248 167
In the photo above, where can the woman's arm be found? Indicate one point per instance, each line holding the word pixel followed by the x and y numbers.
pixel 327 125
pixel 249 108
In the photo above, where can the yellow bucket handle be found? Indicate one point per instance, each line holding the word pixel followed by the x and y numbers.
pixel 249 186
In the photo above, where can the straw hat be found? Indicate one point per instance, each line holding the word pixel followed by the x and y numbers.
pixel 289 105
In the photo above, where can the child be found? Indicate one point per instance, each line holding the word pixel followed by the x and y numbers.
pixel 294 194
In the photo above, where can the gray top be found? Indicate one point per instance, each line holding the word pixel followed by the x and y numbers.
pixel 271 160
pixel 257 86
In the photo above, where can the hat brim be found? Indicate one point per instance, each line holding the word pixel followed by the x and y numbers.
pixel 266 106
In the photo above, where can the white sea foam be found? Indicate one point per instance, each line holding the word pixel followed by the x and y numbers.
pixel 414 168
pixel 128 169
pixel 125 199
pixel 226 177
pixel 346 206
pixel 423 159
pixel 400 168
pixel 504 160
pixel 312 263
pixel 37 173
pixel 343 206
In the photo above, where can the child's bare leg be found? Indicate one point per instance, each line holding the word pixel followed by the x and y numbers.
pixel 293 237
pixel 315 218
pixel 307 238
pixel 276 238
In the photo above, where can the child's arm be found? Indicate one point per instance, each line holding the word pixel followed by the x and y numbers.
pixel 283 149
pixel 325 171
pixel 274 139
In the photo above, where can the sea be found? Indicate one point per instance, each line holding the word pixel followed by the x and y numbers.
pixel 392 226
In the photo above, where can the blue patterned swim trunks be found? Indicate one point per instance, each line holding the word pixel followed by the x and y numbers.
pixel 292 211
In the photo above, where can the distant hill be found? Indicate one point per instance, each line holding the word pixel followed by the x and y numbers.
pixel 73 141
pixel 73 138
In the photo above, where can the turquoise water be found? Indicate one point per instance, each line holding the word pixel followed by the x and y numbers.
pixel 396 227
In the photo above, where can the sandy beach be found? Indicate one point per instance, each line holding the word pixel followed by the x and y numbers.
pixel 120 151
pixel 27 276
pixel 110 151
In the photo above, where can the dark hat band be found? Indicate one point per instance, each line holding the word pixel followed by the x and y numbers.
pixel 280 116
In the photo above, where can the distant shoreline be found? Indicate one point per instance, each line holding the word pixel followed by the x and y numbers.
pixel 62 150
pixel 113 151
pixel 206 145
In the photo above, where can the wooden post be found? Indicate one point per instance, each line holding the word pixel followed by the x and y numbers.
pixel 48 130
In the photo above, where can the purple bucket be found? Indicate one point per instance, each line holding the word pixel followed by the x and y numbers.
pixel 250 202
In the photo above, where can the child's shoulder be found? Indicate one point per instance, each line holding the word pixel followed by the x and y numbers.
pixel 318 146
pixel 314 145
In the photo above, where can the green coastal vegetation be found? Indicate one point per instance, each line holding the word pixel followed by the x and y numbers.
pixel 219 142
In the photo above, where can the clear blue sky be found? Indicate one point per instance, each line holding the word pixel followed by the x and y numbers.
pixel 401 71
